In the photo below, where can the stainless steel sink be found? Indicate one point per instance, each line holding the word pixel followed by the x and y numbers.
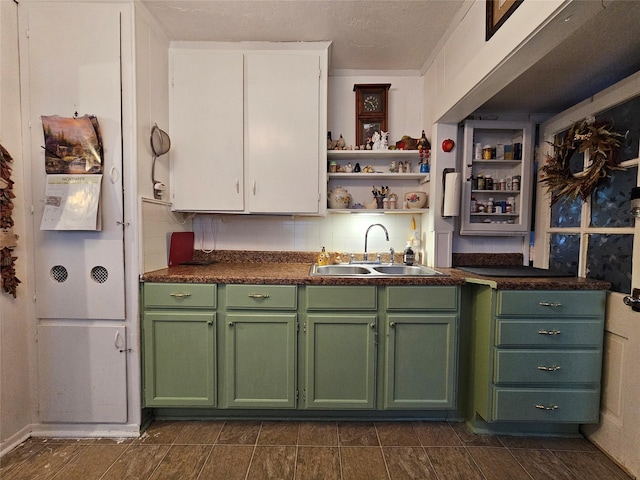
pixel 373 270
pixel 340 270
pixel 406 270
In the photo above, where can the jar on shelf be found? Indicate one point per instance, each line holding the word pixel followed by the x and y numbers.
pixel 481 182
pixel 516 183
pixel 488 182
pixel 490 207
pixel 474 205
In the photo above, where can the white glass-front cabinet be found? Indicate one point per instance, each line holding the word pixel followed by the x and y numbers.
pixel 498 159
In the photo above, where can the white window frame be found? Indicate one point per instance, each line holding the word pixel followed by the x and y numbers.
pixel 615 95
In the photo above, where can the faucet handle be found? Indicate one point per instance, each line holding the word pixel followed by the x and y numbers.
pixel 379 258
pixel 392 254
pixel 352 258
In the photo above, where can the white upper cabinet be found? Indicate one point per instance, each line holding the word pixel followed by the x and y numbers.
pixel 497 191
pixel 207 139
pixel 246 128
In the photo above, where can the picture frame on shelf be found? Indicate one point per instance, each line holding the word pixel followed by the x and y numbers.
pixel 498 11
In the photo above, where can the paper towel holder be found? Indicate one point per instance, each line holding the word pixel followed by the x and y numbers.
pixel 445 198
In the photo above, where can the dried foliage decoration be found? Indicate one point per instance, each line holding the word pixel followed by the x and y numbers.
pixel 7 260
pixel 587 136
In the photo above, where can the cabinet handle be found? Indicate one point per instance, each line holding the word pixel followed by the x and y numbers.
pixel 550 304
pixel 372 325
pixel 210 322
pixel 237 185
pixel 258 295
pixel 392 324
pixel 231 324
pixel 180 295
pixel 254 187
pixel 549 332
pixel 544 407
pixel 548 369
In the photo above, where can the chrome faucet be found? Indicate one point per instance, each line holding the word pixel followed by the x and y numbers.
pixel 366 236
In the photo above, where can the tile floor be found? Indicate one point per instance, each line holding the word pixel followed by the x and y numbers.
pixel 308 450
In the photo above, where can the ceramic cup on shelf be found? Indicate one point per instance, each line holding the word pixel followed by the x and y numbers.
pixel 416 199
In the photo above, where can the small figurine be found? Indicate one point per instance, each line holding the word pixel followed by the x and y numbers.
pixel 340 143
pixel 348 168
pixel 356 169
pixel 384 140
pixel 375 140
pixel 393 167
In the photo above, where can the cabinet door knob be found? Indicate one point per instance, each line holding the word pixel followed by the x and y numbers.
pixel 548 369
pixel 549 332
pixel 210 322
pixel 392 324
pixel 544 407
pixel 231 324
pixel 550 304
pixel 180 295
pixel 372 325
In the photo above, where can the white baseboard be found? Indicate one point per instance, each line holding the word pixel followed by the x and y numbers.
pixel 14 440
pixel 84 430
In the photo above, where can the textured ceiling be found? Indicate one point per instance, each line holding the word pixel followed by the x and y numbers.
pixel 404 35
pixel 366 35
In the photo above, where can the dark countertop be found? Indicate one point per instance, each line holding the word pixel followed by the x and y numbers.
pixel 276 269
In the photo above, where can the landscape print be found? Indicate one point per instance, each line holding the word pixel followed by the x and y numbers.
pixel 72 145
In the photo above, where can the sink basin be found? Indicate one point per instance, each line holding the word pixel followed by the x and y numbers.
pixel 373 270
pixel 407 270
pixel 340 270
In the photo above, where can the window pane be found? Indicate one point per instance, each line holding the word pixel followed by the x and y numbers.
pixel 609 259
pixel 565 212
pixel 625 118
pixel 610 204
pixel 564 252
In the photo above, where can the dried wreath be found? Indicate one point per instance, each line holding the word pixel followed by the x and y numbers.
pixel 586 136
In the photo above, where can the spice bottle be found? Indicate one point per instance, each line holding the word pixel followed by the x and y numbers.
pixel 488 182
pixel 490 205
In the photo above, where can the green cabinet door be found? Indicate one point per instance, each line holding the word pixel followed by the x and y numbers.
pixel 340 361
pixel 420 361
pixel 260 360
pixel 179 359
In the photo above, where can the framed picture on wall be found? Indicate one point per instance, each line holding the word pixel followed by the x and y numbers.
pixel 498 11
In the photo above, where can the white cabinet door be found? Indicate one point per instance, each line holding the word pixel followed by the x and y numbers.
pixel 282 104
pixel 82 374
pixel 78 274
pixel 207 130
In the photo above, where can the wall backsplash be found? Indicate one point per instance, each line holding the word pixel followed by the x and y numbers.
pixel 337 233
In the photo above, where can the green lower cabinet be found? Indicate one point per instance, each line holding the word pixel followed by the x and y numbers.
pixel 179 359
pixel 261 360
pixel 420 361
pixel 340 361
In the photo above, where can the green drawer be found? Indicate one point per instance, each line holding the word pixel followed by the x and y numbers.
pixel 547 366
pixel 550 303
pixel 549 333
pixel 422 298
pixel 179 295
pixel 341 298
pixel 546 405
pixel 262 297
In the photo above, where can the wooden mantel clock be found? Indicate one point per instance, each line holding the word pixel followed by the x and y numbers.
pixel 371 109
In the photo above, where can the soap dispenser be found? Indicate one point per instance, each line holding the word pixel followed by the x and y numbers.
pixel 323 257
pixel 409 255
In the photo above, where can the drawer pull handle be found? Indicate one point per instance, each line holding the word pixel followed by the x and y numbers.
pixel 180 295
pixel 544 407
pixel 549 332
pixel 258 295
pixel 550 304
pixel 548 369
